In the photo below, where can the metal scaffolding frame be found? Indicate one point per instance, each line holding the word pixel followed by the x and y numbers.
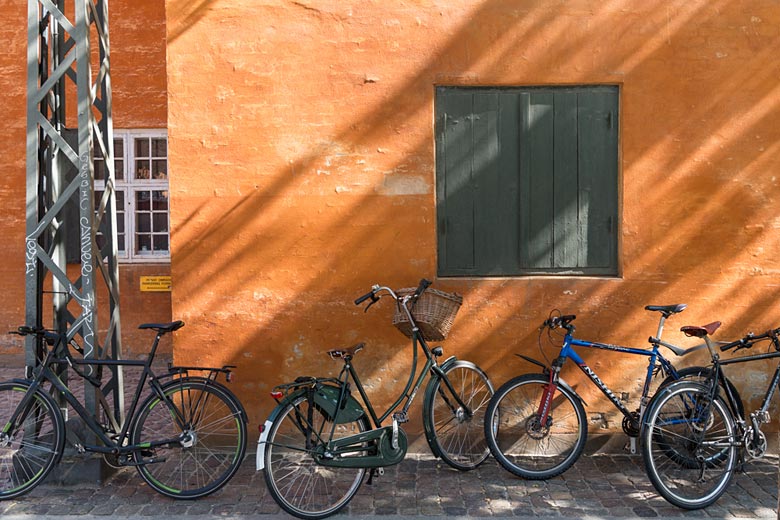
pixel 68 56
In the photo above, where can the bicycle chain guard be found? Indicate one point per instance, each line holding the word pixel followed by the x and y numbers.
pixel 380 455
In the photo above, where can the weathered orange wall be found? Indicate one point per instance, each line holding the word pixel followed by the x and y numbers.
pixel 302 152
pixel 138 78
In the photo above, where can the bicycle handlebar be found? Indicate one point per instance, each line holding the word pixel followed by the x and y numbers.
pixel 373 294
pixel 751 339
pixel 553 322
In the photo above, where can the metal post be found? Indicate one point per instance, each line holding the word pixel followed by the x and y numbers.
pixel 61 206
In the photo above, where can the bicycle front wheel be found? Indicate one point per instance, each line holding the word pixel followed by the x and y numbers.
pixel 299 484
pixel 193 440
pixel 32 443
pixel 689 445
pixel 456 433
pixel 525 444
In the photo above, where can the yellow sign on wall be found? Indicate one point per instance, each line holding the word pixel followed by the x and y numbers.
pixel 155 284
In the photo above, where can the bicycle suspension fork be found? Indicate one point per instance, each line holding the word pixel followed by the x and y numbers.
pixel 549 391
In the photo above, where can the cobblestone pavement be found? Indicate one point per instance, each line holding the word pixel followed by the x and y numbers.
pixel 597 486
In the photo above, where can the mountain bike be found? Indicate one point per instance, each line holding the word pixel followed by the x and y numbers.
pixel 319 442
pixel 535 424
pixel 186 439
pixel 696 435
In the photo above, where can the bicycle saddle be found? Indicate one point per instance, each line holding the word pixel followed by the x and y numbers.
pixel 667 310
pixel 700 332
pixel 163 327
pixel 346 352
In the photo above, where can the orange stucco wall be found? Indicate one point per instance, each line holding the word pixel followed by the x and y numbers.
pixel 302 152
pixel 302 172
pixel 139 95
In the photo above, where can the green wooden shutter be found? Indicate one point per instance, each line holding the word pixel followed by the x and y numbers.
pixel 526 180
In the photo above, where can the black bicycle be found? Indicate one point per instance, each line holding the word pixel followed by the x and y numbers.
pixel 695 434
pixel 186 439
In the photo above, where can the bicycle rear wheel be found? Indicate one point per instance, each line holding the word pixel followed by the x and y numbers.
pixel 205 444
pixel 457 435
pixel 31 445
pixel 518 439
pixel 689 445
pixel 300 485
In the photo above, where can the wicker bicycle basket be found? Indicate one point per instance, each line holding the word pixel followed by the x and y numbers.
pixel 434 312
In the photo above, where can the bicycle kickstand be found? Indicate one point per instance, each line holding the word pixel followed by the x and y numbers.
pixel 374 472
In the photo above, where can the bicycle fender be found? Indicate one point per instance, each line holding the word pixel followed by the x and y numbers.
pixel 260 455
pixel 428 400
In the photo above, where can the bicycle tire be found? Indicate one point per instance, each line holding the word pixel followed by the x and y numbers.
pixel 457 438
pixel 518 441
pixel 297 482
pixel 207 451
pixel 701 374
pixel 689 445
pixel 30 449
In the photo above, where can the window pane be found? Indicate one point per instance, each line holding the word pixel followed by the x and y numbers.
pixel 141 147
pixel 159 169
pixel 160 199
pixel 142 201
pixel 160 222
pixel 119 168
pixel 159 148
pixel 142 170
pixel 143 243
pixel 160 243
pixel 143 222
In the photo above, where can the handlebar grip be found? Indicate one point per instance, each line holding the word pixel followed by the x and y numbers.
pixel 731 345
pixel 424 284
pixel 365 297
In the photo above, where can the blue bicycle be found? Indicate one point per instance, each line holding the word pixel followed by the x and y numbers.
pixel 535 424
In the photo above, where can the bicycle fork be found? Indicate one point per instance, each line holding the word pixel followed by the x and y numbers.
pixel 543 412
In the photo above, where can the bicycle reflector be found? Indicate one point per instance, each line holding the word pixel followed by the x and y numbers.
pixel 277 395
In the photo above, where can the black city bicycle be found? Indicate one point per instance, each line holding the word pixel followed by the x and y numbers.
pixel 535 424
pixel 696 435
pixel 319 442
pixel 186 439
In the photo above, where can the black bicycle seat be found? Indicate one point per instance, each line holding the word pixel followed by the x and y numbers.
pixel 163 327
pixel 667 310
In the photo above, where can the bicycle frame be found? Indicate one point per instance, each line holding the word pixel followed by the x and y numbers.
pixel 431 366
pixel 770 391
pixel 655 358
pixel 46 374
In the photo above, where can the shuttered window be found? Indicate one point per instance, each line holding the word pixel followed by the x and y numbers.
pixel 527 180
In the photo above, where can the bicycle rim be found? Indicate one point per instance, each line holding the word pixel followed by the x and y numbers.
pixel 457 435
pixel 689 446
pixel 204 454
pixel 300 485
pixel 28 451
pixel 522 442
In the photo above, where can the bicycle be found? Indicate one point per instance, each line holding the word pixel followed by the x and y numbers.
pixel 696 434
pixel 319 441
pixel 186 439
pixel 535 424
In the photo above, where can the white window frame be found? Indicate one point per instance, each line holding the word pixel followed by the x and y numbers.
pixel 129 185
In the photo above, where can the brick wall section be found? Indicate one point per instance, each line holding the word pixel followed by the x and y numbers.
pixel 137 33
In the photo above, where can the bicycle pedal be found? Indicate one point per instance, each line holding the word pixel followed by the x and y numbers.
pixel 400 417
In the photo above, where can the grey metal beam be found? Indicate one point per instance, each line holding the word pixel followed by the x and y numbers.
pixel 63 36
